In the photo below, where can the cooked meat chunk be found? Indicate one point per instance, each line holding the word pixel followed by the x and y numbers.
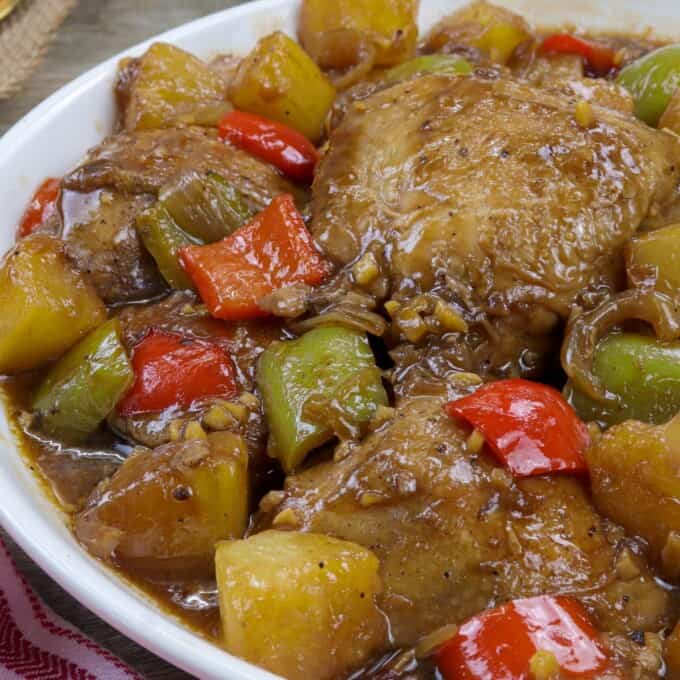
pixel 637 657
pixel 564 73
pixel 144 162
pixel 75 472
pixel 101 240
pixel 491 195
pixel 121 177
pixel 455 533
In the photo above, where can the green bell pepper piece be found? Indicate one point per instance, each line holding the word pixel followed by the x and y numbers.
pixel 446 64
pixel 164 239
pixel 331 368
pixel 206 206
pixel 652 80
pixel 643 372
pixel 85 385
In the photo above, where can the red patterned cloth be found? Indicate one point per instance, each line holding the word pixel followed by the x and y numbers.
pixel 36 644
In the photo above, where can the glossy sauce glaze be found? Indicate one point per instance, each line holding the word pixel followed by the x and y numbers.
pixel 315 330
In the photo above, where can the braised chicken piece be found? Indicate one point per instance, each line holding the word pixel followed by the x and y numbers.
pixel 75 472
pixel 455 533
pixel 496 199
pixel 101 240
pixel 144 162
pixel 564 73
pixel 360 352
pixel 120 178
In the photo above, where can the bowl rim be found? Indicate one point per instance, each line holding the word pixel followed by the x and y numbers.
pixel 157 631
pixel 103 591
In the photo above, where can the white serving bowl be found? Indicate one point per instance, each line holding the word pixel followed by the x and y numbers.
pixel 51 140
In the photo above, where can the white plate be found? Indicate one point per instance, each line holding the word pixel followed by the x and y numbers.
pixel 51 140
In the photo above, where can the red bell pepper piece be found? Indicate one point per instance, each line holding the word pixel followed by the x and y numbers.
pixel 275 143
pixel 42 206
pixel 273 251
pixel 500 643
pixel 175 371
pixel 600 60
pixel 529 426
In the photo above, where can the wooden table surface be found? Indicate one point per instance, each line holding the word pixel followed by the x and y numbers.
pixel 96 30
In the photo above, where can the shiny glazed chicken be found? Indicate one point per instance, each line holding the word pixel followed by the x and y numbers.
pixel 360 354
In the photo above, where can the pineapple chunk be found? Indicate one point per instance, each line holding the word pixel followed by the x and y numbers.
pixel 167 87
pixel 46 306
pixel 165 509
pixel 635 466
pixel 278 80
pixel 655 255
pixel 301 605
pixel 336 33
pixel 495 31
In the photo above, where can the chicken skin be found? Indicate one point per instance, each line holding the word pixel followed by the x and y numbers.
pixel 491 195
pixel 456 534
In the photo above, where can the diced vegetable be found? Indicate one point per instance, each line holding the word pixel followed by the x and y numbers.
pixel 42 206
pixel 275 143
pixel 318 367
pixel 274 251
pixel 206 207
pixel 301 605
pixel 502 642
pixel 196 210
pixel 46 306
pixel 586 331
pixel 446 64
pixel 600 60
pixel 165 509
pixel 654 257
pixel 495 31
pixel 643 372
pixel 279 81
pixel 164 239
pixel 653 80
pixel 167 87
pixel 172 371
pixel 671 116
pixel 337 33
pixel 634 479
pixel 501 40
pixel 528 426
pixel 85 385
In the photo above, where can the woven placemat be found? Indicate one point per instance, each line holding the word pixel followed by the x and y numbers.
pixel 24 38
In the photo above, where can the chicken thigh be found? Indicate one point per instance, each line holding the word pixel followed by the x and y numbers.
pixel 456 534
pixel 489 194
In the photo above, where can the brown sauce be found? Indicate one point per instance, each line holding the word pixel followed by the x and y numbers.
pixel 194 603
pixel 513 333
